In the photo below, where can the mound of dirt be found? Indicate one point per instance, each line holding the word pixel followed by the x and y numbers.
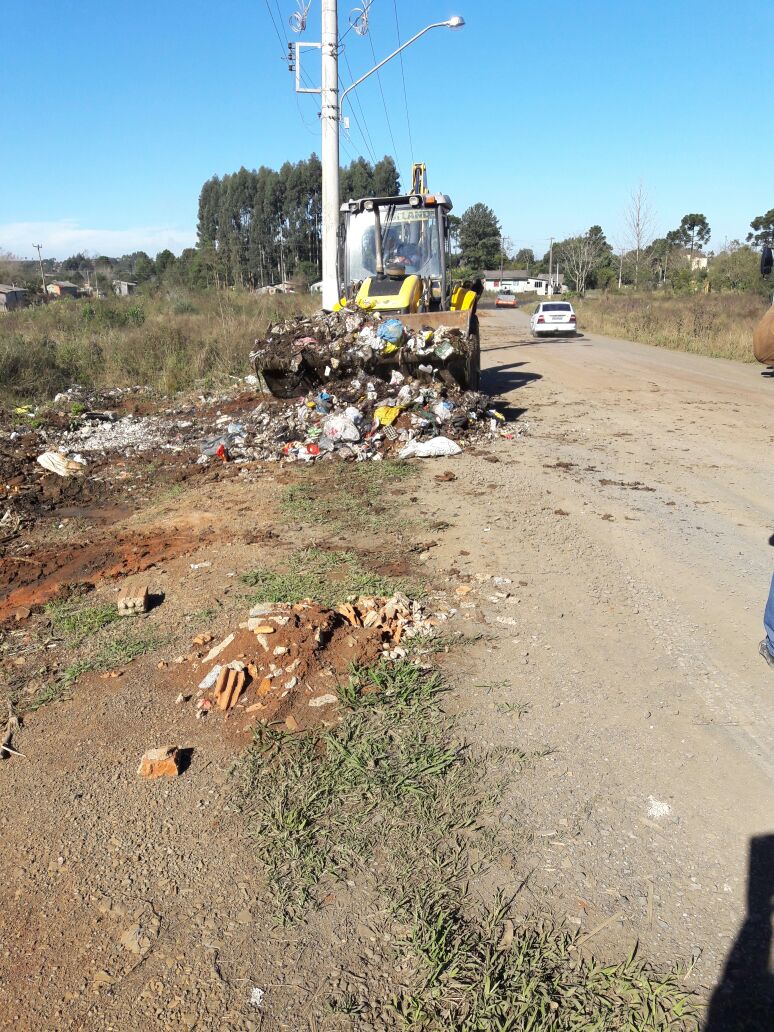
pixel 284 665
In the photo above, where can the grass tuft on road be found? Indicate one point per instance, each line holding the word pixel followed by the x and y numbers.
pixel 328 578
pixel 390 786
pixel 76 622
pixel 350 496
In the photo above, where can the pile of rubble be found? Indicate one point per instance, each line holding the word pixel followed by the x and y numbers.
pixel 343 385
pixel 283 665
pixel 387 388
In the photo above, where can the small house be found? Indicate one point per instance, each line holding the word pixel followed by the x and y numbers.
pixel 12 297
pixel 62 288
pixel 541 284
pixel 512 281
pixel 123 288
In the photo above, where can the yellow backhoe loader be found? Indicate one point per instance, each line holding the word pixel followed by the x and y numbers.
pixel 394 260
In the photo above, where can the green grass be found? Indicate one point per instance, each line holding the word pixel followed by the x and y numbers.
pixel 57 690
pixel 389 791
pixel 351 497
pixel 97 642
pixel 483 971
pixel 75 622
pixel 329 578
pixel 122 650
pixel 312 799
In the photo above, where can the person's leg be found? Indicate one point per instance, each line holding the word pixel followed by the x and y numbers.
pixel 768 623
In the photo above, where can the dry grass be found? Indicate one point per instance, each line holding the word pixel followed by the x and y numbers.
pixel 719 325
pixel 169 342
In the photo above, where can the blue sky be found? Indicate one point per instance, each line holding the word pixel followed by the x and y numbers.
pixel 114 115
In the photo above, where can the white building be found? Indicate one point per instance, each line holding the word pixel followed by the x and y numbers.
pixel 513 280
pixel 519 281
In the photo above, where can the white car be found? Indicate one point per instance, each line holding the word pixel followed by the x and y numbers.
pixel 553 317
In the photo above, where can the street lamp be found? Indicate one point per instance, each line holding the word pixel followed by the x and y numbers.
pixel 456 22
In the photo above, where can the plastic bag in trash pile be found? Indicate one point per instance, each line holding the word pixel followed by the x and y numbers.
pixel 432 449
pixel 61 464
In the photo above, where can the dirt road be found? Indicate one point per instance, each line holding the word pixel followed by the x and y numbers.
pixel 633 522
pixel 606 563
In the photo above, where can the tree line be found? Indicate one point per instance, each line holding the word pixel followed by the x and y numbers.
pixel 262 227
pixel 588 260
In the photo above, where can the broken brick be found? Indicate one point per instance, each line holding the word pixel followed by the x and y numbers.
pixel 134 605
pixel 159 763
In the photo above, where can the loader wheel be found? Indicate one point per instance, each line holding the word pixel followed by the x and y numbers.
pixel 473 364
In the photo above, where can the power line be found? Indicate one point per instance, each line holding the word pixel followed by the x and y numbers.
pixel 279 16
pixel 283 46
pixel 384 102
pixel 369 142
pixel 403 77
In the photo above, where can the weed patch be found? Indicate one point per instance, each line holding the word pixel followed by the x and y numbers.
pixel 76 622
pixel 122 650
pixel 329 578
pixel 351 496
pixel 390 783
pixel 481 972
pixel 319 803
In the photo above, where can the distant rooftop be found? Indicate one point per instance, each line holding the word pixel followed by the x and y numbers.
pixel 511 274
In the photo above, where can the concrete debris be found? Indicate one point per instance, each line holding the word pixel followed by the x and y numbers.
pixel 294 683
pixel 134 605
pixel 217 649
pixel 159 763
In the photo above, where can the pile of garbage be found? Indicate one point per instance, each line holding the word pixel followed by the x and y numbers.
pixel 365 387
pixel 345 385
pixel 340 344
pixel 284 664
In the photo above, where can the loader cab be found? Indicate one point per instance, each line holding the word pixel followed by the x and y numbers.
pixel 394 253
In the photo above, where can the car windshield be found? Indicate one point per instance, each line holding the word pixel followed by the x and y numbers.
pixel 409 238
pixel 557 307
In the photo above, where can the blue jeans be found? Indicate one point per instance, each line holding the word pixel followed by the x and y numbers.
pixel 768 619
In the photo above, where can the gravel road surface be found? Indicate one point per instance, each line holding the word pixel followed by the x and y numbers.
pixel 633 521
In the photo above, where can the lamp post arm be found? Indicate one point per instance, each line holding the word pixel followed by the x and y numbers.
pixel 427 28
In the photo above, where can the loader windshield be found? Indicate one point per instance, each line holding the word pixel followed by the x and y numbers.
pixel 409 238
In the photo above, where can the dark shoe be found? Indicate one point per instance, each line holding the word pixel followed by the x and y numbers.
pixel 764 651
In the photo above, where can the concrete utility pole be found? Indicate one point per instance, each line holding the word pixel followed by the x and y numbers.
pixel 329 117
pixel 40 260
pixel 551 265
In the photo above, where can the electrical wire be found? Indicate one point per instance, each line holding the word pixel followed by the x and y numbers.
pixel 283 47
pixel 369 143
pixel 384 102
pixel 403 77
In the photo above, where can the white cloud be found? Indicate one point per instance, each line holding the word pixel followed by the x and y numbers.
pixel 65 237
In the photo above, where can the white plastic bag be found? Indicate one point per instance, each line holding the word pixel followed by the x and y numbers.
pixel 437 447
pixel 340 428
pixel 59 463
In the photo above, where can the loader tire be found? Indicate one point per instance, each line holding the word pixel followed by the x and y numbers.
pixel 473 364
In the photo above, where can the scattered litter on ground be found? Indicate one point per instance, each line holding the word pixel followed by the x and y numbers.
pixel 59 463
pixel 256 996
